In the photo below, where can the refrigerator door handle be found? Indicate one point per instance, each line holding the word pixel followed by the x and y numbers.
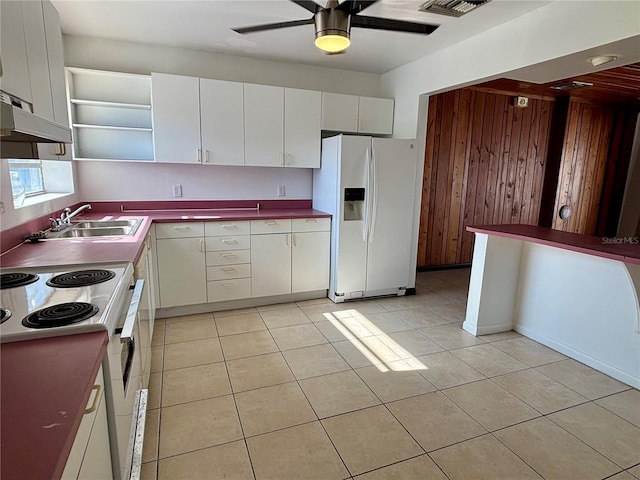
pixel 367 194
pixel 374 193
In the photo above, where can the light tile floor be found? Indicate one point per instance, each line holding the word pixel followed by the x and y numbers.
pixel 389 388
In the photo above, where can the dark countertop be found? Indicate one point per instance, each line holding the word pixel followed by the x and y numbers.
pixel 46 384
pixel 125 248
pixel 624 250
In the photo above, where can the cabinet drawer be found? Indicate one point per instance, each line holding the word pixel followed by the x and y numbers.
pixel 228 289
pixel 233 242
pixel 222 229
pixel 311 225
pixel 270 226
pixel 180 230
pixel 228 257
pixel 223 272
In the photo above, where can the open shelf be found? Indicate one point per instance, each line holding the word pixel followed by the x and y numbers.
pixel 111 115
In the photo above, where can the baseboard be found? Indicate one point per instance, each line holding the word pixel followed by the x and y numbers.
pixel 433 268
pixel 486 329
pixel 233 304
pixel 580 356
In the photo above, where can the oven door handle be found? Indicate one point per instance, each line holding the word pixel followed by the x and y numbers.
pixel 132 314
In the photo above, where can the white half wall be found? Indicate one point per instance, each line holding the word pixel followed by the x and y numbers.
pixel 127 181
pixel 131 57
pixel 559 29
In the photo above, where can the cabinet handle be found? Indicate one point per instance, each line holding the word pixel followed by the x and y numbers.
pixel 206 156
pixel 230 226
pixel 295 241
pixel 202 246
pixel 229 255
pixel 182 228
pixel 228 269
pixel 228 285
pixel 147 242
pixel 61 150
pixel 198 155
pixel 287 240
pixel 288 158
pixel 230 242
pixel 281 158
pixel 270 222
pixel 96 399
pixel 311 220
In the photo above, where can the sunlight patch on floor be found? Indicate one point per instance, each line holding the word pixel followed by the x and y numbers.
pixel 378 347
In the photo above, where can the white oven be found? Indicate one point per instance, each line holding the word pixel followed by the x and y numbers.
pixel 126 392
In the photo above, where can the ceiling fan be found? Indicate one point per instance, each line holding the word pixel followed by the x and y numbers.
pixel 333 23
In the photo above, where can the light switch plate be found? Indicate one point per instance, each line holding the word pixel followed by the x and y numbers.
pixel 177 190
pixel 281 191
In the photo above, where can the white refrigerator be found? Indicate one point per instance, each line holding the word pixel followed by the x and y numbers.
pixel 367 184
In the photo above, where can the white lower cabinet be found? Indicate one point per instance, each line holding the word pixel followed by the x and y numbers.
pixel 182 278
pixel 310 261
pixel 90 456
pixel 295 262
pixel 220 261
pixel 270 264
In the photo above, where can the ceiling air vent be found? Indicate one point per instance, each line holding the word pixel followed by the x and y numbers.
pixel 571 85
pixel 452 8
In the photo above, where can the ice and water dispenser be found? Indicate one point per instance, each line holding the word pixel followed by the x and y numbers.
pixel 353 204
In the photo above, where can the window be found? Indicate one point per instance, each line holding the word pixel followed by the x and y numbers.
pixel 35 181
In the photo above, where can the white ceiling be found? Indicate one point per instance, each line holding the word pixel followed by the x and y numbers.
pixel 206 25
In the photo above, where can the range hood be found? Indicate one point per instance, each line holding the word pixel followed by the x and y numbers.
pixel 18 124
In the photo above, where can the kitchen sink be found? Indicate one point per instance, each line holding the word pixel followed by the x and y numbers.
pixel 106 223
pixel 98 228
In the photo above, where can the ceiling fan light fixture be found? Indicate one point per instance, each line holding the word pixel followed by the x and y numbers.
pixel 332 43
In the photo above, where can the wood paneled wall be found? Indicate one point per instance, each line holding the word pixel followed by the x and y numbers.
pixel 484 164
pixel 593 169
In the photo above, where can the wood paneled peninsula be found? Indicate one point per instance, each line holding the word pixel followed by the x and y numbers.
pixel 575 293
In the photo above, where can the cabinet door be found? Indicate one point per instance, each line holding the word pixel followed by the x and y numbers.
pixel 96 464
pixel 375 115
pixel 310 261
pixel 263 125
pixel 38 62
pixel 270 264
pixel 339 112
pixel 15 69
pixel 181 271
pixel 302 123
pixel 222 122
pixel 176 118
pixel 55 54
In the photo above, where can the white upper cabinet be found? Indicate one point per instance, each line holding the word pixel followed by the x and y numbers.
pixel 176 118
pixel 339 112
pixel 375 115
pixel 282 126
pixel 350 113
pixel 221 122
pixel 302 125
pixel 55 55
pixel 263 125
pixel 15 69
pixel 37 60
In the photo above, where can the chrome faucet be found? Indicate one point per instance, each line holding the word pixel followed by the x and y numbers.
pixel 64 221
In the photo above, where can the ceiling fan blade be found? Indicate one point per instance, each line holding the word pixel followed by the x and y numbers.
pixel 309 5
pixel 393 25
pixel 355 6
pixel 273 26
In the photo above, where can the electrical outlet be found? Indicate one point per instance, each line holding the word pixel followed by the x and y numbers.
pixel 177 190
pixel 2 207
pixel 281 191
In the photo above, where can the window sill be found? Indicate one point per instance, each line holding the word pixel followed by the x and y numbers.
pixel 45 197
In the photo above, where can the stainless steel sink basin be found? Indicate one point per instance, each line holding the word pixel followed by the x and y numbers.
pixel 106 223
pixel 98 228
